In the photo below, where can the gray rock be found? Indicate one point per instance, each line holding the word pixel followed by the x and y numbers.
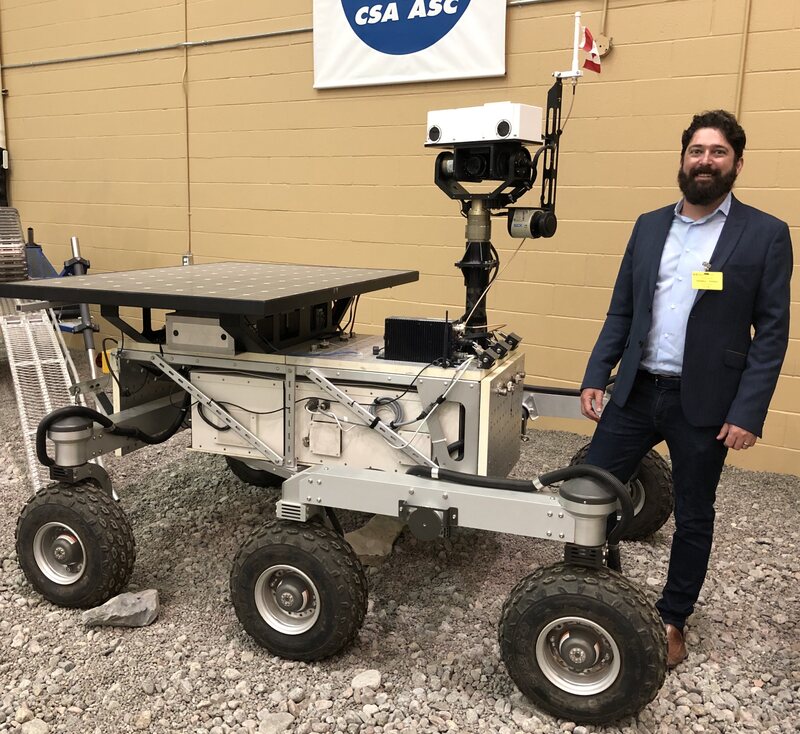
pixel 143 720
pixel 132 609
pixel 275 723
pixel 373 542
pixel 35 726
pixel 367 679
pixel 23 714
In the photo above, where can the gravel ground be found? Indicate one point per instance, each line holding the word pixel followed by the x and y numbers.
pixel 430 632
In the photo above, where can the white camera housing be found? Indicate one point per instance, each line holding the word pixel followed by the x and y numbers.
pixel 490 123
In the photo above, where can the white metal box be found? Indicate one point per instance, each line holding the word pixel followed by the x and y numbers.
pixel 494 121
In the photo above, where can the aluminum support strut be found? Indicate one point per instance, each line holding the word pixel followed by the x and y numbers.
pixel 218 411
pixel 394 439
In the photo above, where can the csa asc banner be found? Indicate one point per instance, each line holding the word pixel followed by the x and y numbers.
pixel 360 42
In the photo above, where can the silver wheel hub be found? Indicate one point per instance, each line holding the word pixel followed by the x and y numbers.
pixel 636 488
pixel 578 656
pixel 579 650
pixel 59 553
pixel 287 599
pixel 292 595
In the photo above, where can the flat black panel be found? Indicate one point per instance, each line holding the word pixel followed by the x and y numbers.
pixel 255 289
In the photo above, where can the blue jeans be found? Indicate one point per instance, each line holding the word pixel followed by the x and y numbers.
pixel 652 414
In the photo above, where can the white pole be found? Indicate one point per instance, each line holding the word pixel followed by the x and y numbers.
pixel 577 41
pixel 575 72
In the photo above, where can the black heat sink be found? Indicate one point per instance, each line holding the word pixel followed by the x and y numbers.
pixel 418 340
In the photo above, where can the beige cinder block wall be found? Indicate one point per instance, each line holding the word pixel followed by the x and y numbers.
pixel 227 150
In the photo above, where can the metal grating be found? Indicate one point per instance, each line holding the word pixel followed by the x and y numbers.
pixel 13 265
pixel 6 308
pixel 39 362
pixel 41 379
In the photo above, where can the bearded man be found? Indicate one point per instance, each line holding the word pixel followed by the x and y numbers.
pixel 699 324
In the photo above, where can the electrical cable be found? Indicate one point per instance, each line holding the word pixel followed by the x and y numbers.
pixel 491 282
pixel 79 411
pixel 350 314
pixel 248 410
pixel 111 369
pixel 436 403
pixel 569 111
pixel 351 321
pixel 355 313
pixel 385 401
pixel 147 369
pixel 207 421
pixel 331 414
pixel 223 403
pixel 254 328
pixel 391 404
pixel 108 361
pixel 496 267
pixel 416 377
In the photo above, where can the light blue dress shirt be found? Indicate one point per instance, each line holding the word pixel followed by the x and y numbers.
pixel 689 246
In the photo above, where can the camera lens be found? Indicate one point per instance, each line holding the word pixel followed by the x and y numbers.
pixel 434 134
pixel 475 165
pixel 522 164
pixel 503 129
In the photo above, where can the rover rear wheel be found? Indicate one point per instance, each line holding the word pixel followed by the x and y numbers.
pixel 255 477
pixel 299 590
pixel 651 493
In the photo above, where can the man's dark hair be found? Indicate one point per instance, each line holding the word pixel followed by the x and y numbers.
pixel 721 120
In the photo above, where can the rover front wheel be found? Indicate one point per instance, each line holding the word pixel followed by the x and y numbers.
pixel 75 545
pixel 583 643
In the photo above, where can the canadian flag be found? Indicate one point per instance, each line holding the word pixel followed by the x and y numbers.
pixel 588 44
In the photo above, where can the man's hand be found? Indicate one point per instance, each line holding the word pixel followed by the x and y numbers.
pixel 592 403
pixel 735 438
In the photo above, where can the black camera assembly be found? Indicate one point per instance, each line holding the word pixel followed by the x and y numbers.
pixel 483 145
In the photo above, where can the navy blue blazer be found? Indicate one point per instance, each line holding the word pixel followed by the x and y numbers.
pixel 736 338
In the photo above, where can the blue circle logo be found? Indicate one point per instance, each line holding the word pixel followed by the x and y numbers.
pixel 405 26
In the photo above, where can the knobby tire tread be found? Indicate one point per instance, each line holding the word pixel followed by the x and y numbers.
pixel 108 524
pixel 609 588
pixel 338 558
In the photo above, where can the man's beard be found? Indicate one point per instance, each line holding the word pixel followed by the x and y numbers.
pixel 705 191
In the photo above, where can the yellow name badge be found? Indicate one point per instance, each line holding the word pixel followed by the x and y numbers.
pixel 705 280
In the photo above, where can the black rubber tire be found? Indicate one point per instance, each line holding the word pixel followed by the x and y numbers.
pixel 104 531
pixel 605 598
pixel 651 491
pixel 255 477
pixel 330 563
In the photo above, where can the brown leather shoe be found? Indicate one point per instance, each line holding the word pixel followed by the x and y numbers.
pixel 676 646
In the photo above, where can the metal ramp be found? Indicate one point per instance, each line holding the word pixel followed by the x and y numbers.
pixel 43 374
pixel 13 265
pixel 40 364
